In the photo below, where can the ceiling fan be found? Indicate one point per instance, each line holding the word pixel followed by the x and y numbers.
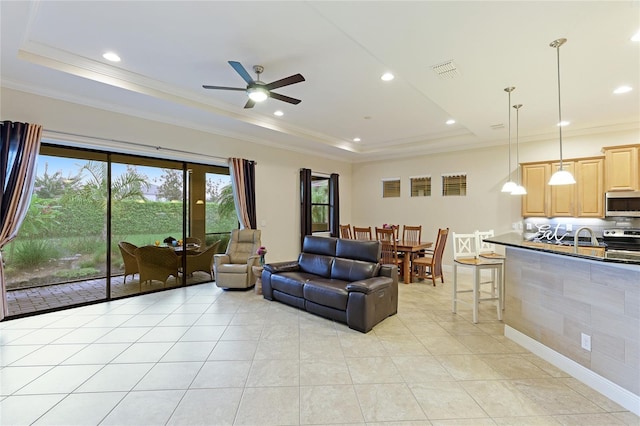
pixel 257 90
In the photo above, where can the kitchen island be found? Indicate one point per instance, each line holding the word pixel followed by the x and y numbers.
pixel 558 302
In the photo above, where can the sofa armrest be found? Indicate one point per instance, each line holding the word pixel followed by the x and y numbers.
pixel 369 285
pixel 275 268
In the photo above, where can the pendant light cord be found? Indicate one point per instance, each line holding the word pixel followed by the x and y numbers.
pixel 559 107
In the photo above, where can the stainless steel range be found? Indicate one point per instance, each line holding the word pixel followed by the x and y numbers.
pixel 622 243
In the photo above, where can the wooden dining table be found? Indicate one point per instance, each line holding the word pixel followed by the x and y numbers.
pixel 410 249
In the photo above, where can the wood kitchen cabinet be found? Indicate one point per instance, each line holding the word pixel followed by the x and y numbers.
pixel 535 178
pixel 621 168
pixel 584 199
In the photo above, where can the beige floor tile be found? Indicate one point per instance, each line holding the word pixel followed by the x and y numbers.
pixel 426 328
pixel 403 345
pixel 274 372
pixel 544 365
pixel 526 421
pixel 627 418
pixel 269 406
pixel 388 402
pixel 464 422
pixel 329 405
pixel 280 332
pixel 84 408
pixel 242 332
pixel 468 367
pixel 593 395
pixel 26 409
pixel 324 372
pixel 323 347
pixel 188 351
pixel 222 374
pixel 554 397
pixel 358 346
pixel 588 420
pixel 514 367
pixel 421 369
pixel 144 407
pixel 446 400
pixel 482 344
pixel 233 350
pixel 443 344
pixel 373 370
pixel 278 349
pixel 500 398
pixel 207 407
pixel 170 375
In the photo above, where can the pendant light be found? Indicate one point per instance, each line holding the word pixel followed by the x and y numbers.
pixel 509 186
pixel 561 177
pixel 519 189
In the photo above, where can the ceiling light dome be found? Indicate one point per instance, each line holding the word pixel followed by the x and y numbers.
pixel 258 94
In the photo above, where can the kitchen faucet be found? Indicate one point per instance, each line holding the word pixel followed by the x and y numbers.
pixel 594 240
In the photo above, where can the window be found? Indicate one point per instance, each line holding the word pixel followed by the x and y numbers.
pixel 454 185
pixel 421 186
pixel 320 204
pixel 390 188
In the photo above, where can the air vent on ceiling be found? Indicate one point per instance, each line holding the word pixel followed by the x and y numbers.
pixel 497 126
pixel 446 70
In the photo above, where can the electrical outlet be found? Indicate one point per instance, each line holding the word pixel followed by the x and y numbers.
pixel 585 342
pixel 569 227
pixel 529 227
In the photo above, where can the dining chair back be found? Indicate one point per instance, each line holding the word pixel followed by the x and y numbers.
pixel 430 266
pixel 157 263
pixel 361 233
pixel 345 232
pixel 411 234
pixel 389 247
pixel 193 240
pixel 202 261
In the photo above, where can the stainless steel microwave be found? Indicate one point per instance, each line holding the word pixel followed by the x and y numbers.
pixel 622 204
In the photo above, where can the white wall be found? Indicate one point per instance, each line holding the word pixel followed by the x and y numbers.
pixel 277 171
pixel 484 207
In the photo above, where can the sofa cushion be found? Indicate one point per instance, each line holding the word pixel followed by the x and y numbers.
pixel 290 282
pixel 368 251
pixel 319 245
pixel 316 264
pixel 327 292
pixel 353 270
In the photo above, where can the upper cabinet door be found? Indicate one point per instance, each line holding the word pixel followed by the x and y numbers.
pixel 534 179
pixel 621 168
pixel 590 187
pixel 563 197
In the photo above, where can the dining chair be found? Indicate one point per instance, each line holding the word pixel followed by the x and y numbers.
pixel 411 234
pixel 430 266
pixel 157 263
pixel 361 233
pixel 465 254
pixel 192 240
pixel 488 251
pixel 127 250
pixel 389 247
pixel 202 261
pixel 345 232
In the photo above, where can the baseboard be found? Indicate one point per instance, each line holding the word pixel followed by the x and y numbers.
pixel 614 392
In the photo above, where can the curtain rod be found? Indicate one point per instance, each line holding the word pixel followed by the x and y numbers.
pixel 52 133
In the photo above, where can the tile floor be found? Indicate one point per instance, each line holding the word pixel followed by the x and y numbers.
pixel 199 355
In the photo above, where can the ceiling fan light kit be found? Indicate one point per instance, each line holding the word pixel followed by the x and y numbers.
pixel 257 90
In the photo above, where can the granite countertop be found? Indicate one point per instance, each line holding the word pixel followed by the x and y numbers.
pixel 563 247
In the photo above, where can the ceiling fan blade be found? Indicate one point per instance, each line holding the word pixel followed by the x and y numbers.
pixel 223 88
pixel 284 98
pixel 242 71
pixel 292 79
pixel 250 103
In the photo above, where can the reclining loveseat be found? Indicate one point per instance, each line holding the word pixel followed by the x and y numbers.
pixel 338 279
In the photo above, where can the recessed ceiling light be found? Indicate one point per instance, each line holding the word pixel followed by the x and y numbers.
pixel 278 113
pixel 451 121
pixel 636 37
pixel 111 56
pixel 622 89
pixel 564 123
pixel 387 76
pixel 356 139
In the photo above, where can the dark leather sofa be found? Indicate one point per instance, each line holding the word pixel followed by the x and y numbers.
pixel 338 279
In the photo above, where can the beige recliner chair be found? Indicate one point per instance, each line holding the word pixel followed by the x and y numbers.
pixel 233 269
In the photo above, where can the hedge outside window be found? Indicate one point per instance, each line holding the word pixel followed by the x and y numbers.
pixel 420 186
pixel 390 188
pixel 454 184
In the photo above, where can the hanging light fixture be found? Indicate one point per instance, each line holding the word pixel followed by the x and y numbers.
pixel 561 177
pixel 510 185
pixel 519 189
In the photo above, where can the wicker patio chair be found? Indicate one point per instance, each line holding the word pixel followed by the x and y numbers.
pixel 157 263
pixel 202 261
pixel 127 250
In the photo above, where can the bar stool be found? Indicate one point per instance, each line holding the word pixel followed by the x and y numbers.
pixel 488 251
pixel 465 254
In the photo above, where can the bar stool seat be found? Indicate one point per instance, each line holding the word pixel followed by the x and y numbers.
pixel 465 255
